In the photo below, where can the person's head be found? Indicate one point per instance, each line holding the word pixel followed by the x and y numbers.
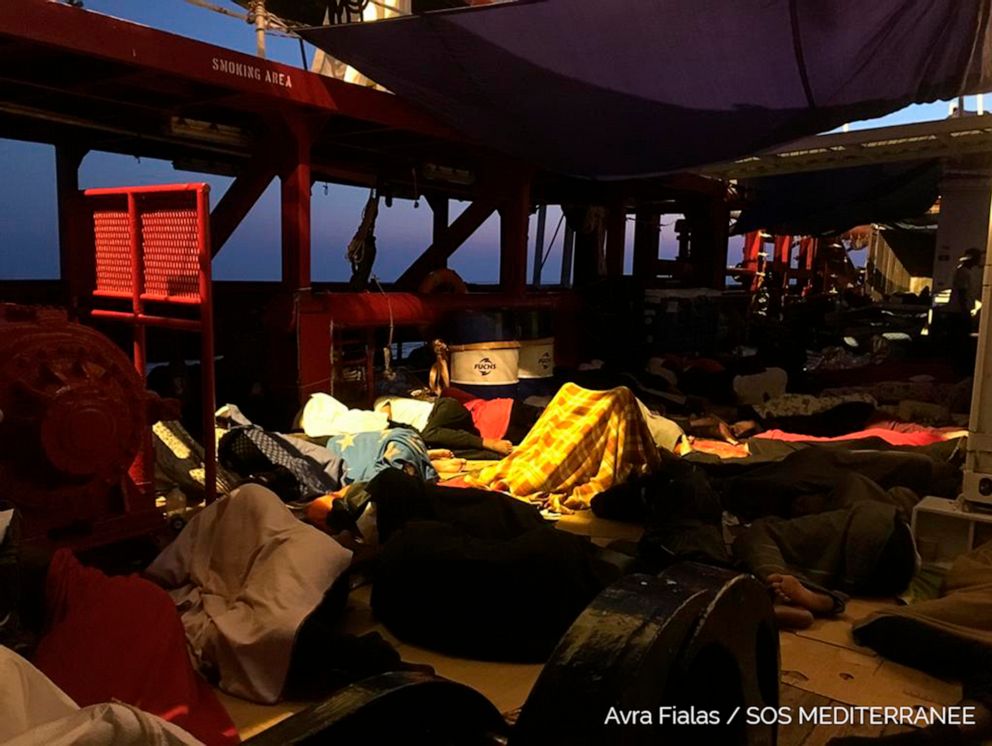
pixel 971 257
pixel 384 405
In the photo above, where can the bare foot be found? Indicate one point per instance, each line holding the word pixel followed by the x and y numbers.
pixel 502 447
pixel 791 591
pixel 448 465
pixel 793 617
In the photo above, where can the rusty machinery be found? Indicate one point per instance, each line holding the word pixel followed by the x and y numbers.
pixel 75 435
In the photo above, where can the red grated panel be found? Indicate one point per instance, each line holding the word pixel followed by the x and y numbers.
pixel 113 250
pixel 170 241
pixel 158 238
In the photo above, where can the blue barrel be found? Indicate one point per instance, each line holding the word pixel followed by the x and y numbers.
pixel 484 353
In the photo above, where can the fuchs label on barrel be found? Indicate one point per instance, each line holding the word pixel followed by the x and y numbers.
pixel 484 367
pixel 537 358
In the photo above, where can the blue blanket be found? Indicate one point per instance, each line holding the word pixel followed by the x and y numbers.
pixel 367 454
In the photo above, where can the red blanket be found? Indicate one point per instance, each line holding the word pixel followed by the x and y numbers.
pixel 120 638
pixel 919 438
pixel 491 417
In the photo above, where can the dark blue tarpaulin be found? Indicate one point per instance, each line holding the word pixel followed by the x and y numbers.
pixel 830 202
pixel 623 88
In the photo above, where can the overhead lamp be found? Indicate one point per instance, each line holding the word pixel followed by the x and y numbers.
pixel 436 172
pixel 212 132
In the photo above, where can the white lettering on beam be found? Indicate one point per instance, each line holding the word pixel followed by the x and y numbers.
pixel 251 72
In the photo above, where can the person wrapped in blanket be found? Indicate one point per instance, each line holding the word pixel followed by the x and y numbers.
pixel 584 443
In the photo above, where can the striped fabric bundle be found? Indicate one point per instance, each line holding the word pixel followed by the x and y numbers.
pixel 584 443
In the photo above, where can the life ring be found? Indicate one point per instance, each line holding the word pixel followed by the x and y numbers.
pixel 442 280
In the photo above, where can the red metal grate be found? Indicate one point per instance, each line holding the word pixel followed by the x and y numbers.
pixel 112 233
pixel 152 245
pixel 170 241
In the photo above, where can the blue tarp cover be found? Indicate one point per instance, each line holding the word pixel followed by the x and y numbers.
pixel 623 88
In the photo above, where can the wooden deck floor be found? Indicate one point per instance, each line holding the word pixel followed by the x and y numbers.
pixel 821 666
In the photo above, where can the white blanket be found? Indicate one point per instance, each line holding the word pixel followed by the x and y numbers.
pixel 324 416
pixel 35 711
pixel 245 574
pixel 665 432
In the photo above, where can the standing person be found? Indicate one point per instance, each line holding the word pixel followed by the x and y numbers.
pixel 965 289
pixel 965 286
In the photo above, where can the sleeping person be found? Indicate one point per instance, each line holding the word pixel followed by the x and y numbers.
pixel 480 429
pixel 813 563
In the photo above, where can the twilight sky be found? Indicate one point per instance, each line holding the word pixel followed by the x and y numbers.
pixel 28 226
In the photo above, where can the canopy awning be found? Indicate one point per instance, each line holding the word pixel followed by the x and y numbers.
pixel 629 88
pixel 831 202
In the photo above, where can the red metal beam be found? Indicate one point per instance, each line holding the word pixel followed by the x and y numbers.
pixel 616 239
pixel 783 252
pixel 586 268
pixel 72 271
pixel 647 242
pixel 96 35
pixel 752 248
pixel 807 252
pixel 711 235
pixel 439 207
pixel 514 218
pixel 783 258
pixel 457 233
pixel 295 212
pixel 362 310
pixel 238 200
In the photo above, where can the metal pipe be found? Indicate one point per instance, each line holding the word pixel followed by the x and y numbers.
pixel 208 377
pixel 542 214
pixel 188 325
pixel 566 256
pixel 261 17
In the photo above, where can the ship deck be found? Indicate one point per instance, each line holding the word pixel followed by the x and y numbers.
pixel 820 667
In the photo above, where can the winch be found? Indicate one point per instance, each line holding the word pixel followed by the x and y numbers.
pixel 75 434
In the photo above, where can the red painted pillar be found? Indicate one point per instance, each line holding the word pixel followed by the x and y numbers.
pixel 752 248
pixel 807 255
pixel 708 224
pixel 647 241
pixel 439 223
pixel 616 239
pixel 75 275
pixel 514 216
pixel 808 248
pixel 295 215
pixel 783 251
pixel 714 234
pixel 783 257
pixel 753 243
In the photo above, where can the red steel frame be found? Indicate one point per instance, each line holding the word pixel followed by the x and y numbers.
pixel 259 82
pixel 178 215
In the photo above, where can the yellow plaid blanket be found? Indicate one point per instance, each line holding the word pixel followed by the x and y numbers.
pixel 584 443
